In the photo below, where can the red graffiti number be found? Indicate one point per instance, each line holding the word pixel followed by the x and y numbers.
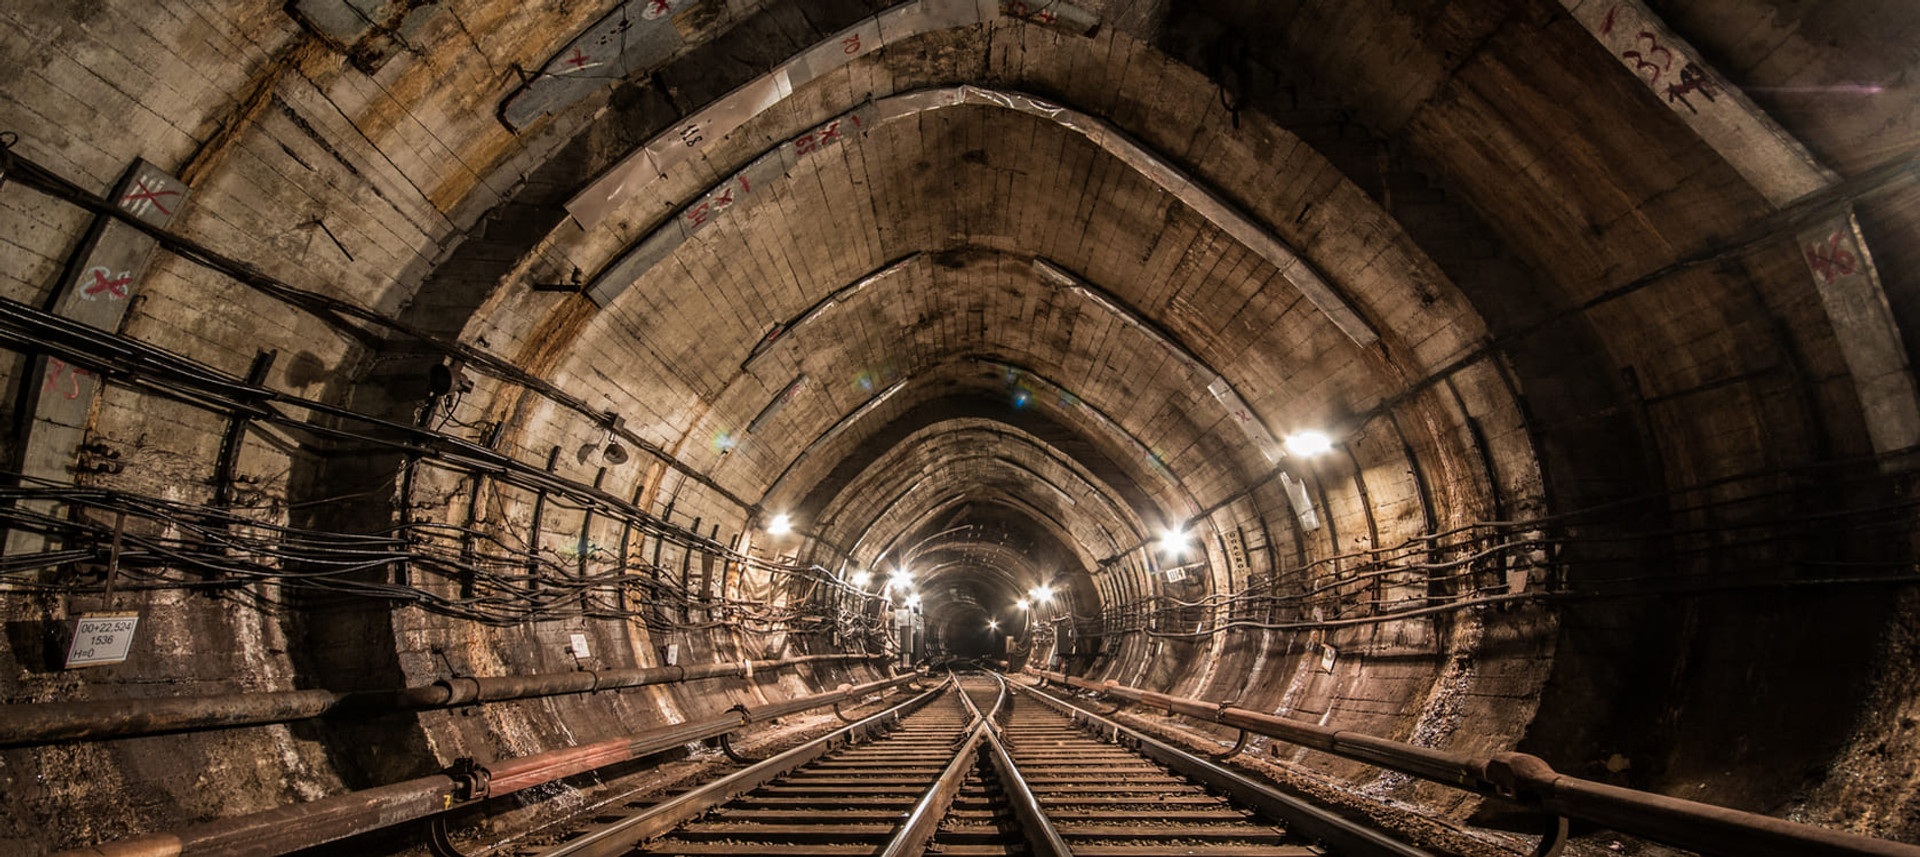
pixel 64 379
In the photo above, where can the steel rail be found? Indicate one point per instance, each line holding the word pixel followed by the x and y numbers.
pixel 1312 820
pixel 1043 839
pixel 292 828
pixel 911 837
pixel 663 817
pixel 28 724
pixel 1530 781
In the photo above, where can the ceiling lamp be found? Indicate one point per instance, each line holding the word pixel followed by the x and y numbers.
pixel 781 525
pixel 1174 542
pixel 1308 444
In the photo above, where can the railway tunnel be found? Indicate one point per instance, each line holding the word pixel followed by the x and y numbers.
pixel 400 387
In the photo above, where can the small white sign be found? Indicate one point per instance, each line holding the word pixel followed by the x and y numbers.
pixel 670 654
pixel 1176 575
pixel 1327 656
pixel 580 646
pixel 101 638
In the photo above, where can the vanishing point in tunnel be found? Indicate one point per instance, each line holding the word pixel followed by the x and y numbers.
pixel 432 420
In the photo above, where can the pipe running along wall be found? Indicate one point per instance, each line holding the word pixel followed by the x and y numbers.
pixel 1530 781
pixel 46 722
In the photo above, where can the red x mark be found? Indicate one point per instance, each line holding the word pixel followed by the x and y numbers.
pixel 116 288
pixel 146 194
pixel 578 60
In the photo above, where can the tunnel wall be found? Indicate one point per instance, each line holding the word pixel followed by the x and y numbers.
pixel 395 187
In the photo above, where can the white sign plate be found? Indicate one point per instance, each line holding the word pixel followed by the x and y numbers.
pixel 101 638
pixel 580 646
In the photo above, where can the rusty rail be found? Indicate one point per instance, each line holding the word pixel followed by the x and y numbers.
pixel 289 828
pixel 1530 781
pixel 29 724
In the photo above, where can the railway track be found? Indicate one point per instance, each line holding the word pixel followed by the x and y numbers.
pixel 971 769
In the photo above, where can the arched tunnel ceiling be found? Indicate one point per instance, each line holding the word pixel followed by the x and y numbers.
pixel 1596 384
pixel 935 255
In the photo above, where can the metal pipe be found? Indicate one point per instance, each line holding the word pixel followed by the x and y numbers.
pixel 290 828
pixel 30 724
pixel 1530 781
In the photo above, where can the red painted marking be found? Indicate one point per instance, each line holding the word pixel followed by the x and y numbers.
pixel 1830 261
pixel 1606 27
pixel 698 214
pixel 655 8
pixel 132 201
pixel 578 60
pixel 830 133
pixel 58 369
pixel 850 44
pixel 1693 79
pixel 116 287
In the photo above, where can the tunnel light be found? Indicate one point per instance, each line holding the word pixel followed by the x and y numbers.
pixel 1041 594
pixel 1022 604
pixel 913 600
pixel 993 624
pixel 900 579
pixel 1308 444
pixel 861 579
pixel 781 525
pixel 1174 542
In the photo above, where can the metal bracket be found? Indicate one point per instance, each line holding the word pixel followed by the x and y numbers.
pixel 470 779
pixel 726 746
pixel 1554 840
pixel 843 718
pixel 1238 745
pixel 437 840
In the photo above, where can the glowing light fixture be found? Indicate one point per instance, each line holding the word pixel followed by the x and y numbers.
pixel 781 525
pixel 993 624
pixel 900 579
pixel 861 579
pixel 1022 604
pixel 1174 542
pixel 1307 444
pixel 913 600
pixel 1042 594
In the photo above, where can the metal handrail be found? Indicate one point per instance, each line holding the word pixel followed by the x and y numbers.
pixel 1530 781
pixel 665 816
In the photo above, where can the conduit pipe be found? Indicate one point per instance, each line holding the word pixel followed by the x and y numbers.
pixel 290 828
pixel 1530 781
pixel 46 722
